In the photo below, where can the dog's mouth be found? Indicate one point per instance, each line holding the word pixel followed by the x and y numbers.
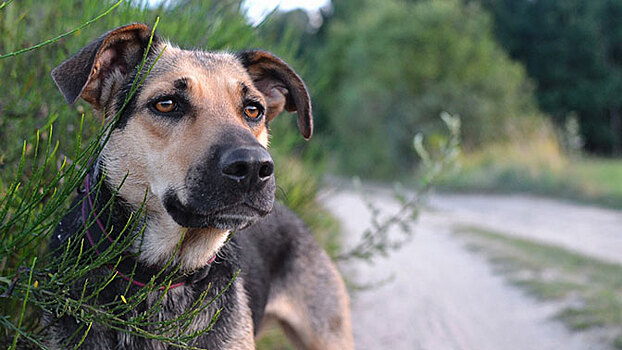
pixel 230 217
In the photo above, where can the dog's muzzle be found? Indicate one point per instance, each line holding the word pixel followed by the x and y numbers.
pixel 231 188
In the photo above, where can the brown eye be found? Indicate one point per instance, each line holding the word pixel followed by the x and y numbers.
pixel 252 112
pixel 165 106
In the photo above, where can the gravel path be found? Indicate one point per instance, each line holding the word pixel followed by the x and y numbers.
pixel 442 296
pixel 591 231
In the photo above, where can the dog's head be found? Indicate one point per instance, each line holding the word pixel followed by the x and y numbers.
pixel 195 133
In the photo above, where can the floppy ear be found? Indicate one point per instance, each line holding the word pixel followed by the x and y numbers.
pixel 281 86
pixel 101 66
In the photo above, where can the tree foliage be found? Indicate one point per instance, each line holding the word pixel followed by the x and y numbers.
pixel 573 50
pixel 388 68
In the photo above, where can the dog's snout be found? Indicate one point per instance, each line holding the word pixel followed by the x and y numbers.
pixel 247 165
pixel 233 182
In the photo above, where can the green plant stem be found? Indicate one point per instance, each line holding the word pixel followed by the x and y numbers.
pixel 4 4
pixel 57 38
pixel 21 316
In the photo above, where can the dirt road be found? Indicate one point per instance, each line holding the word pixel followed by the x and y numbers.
pixel 591 231
pixel 444 297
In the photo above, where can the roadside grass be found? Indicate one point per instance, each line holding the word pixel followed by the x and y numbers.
pixel 273 338
pixel 599 175
pixel 539 169
pixel 590 290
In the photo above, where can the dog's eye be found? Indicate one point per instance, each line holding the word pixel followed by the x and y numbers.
pixel 253 112
pixel 165 106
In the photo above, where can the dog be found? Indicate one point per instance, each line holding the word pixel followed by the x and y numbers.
pixel 189 146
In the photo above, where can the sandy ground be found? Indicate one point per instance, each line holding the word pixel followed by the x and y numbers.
pixel 442 296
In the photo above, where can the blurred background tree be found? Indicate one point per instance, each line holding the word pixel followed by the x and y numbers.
pixel 573 51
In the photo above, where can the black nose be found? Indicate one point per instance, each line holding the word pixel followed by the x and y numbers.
pixel 247 165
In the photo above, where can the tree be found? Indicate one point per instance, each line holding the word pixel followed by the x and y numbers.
pixel 573 49
pixel 389 68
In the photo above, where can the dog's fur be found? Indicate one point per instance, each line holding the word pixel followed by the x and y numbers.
pixel 188 162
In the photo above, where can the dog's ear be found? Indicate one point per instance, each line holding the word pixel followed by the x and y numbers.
pixel 99 66
pixel 281 86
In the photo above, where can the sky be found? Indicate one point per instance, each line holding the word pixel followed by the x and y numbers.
pixel 258 9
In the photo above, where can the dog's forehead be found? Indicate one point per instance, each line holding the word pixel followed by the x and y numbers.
pixel 175 62
pixel 173 57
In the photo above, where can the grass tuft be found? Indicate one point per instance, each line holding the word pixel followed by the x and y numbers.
pixel 539 170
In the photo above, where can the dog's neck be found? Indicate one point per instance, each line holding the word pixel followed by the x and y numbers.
pixel 160 238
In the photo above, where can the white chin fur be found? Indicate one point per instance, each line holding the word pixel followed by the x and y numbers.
pixel 161 240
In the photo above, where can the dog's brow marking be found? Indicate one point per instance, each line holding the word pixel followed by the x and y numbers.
pixel 181 83
pixel 244 88
pixel 248 95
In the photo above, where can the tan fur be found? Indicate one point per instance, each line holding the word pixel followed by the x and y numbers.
pixel 242 336
pixel 289 306
pixel 291 314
